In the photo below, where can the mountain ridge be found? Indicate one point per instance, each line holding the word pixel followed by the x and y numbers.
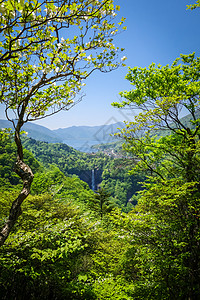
pixel 97 132
pixel 79 137
pixel 35 131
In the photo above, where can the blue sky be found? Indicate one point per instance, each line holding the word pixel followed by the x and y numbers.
pixel 157 31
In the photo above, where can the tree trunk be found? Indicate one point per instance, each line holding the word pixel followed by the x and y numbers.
pixel 24 171
pixel 26 174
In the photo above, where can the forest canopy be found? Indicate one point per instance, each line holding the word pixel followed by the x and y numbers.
pixel 43 63
pixel 137 236
pixel 166 148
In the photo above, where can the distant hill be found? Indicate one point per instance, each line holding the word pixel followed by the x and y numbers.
pixel 117 144
pixel 100 133
pixel 83 138
pixel 37 132
pixel 186 121
pixel 79 137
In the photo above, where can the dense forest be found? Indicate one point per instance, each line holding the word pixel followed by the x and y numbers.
pixel 110 173
pixel 65 235
pixel 73 243
pixel 122 223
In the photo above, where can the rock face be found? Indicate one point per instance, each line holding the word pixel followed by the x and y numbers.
pixel 92 177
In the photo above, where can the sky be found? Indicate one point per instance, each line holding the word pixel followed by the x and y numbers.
pixel 157 31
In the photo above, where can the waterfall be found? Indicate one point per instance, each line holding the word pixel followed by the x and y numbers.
pixel 93 180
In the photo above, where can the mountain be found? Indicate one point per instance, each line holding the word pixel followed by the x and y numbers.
pixel 98 133
pixel 79 137
pixel 84 137
pixel 37 132
pixel 116 145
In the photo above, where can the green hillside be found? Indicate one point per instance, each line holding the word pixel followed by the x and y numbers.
pixel 57 244
pixel 116 146
pixel 108 170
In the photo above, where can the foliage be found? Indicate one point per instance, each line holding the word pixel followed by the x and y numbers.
pixel 193 6
pixel 46 50
pixel 40 258
pixel 165 232
pixel 160 94
pixel 101 202
pixel 57 251
pixel 8 159
pixel 69 160
pixel 58 248
pixel 120 184
pixel 165 226
pixel 111 173
pixel 49 179
pixel 52 41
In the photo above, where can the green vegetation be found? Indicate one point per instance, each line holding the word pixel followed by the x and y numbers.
pixel 166 230
pixel 69 242
pixel 41 72
pixel 116 146
pixel 193 6
pixel 60 246
pixel 110 172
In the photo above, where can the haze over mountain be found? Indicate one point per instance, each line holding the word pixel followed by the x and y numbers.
pixel 35 131
pixel 82 137
pixel 79 137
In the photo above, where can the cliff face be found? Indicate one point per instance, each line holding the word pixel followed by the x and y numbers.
pixel 86 175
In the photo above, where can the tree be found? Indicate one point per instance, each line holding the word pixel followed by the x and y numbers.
pixel 161 94
pixel 101 202
pixel 47 49
pixel 47 251
pixel 166 225
pixel 193 6
pixel 21 20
